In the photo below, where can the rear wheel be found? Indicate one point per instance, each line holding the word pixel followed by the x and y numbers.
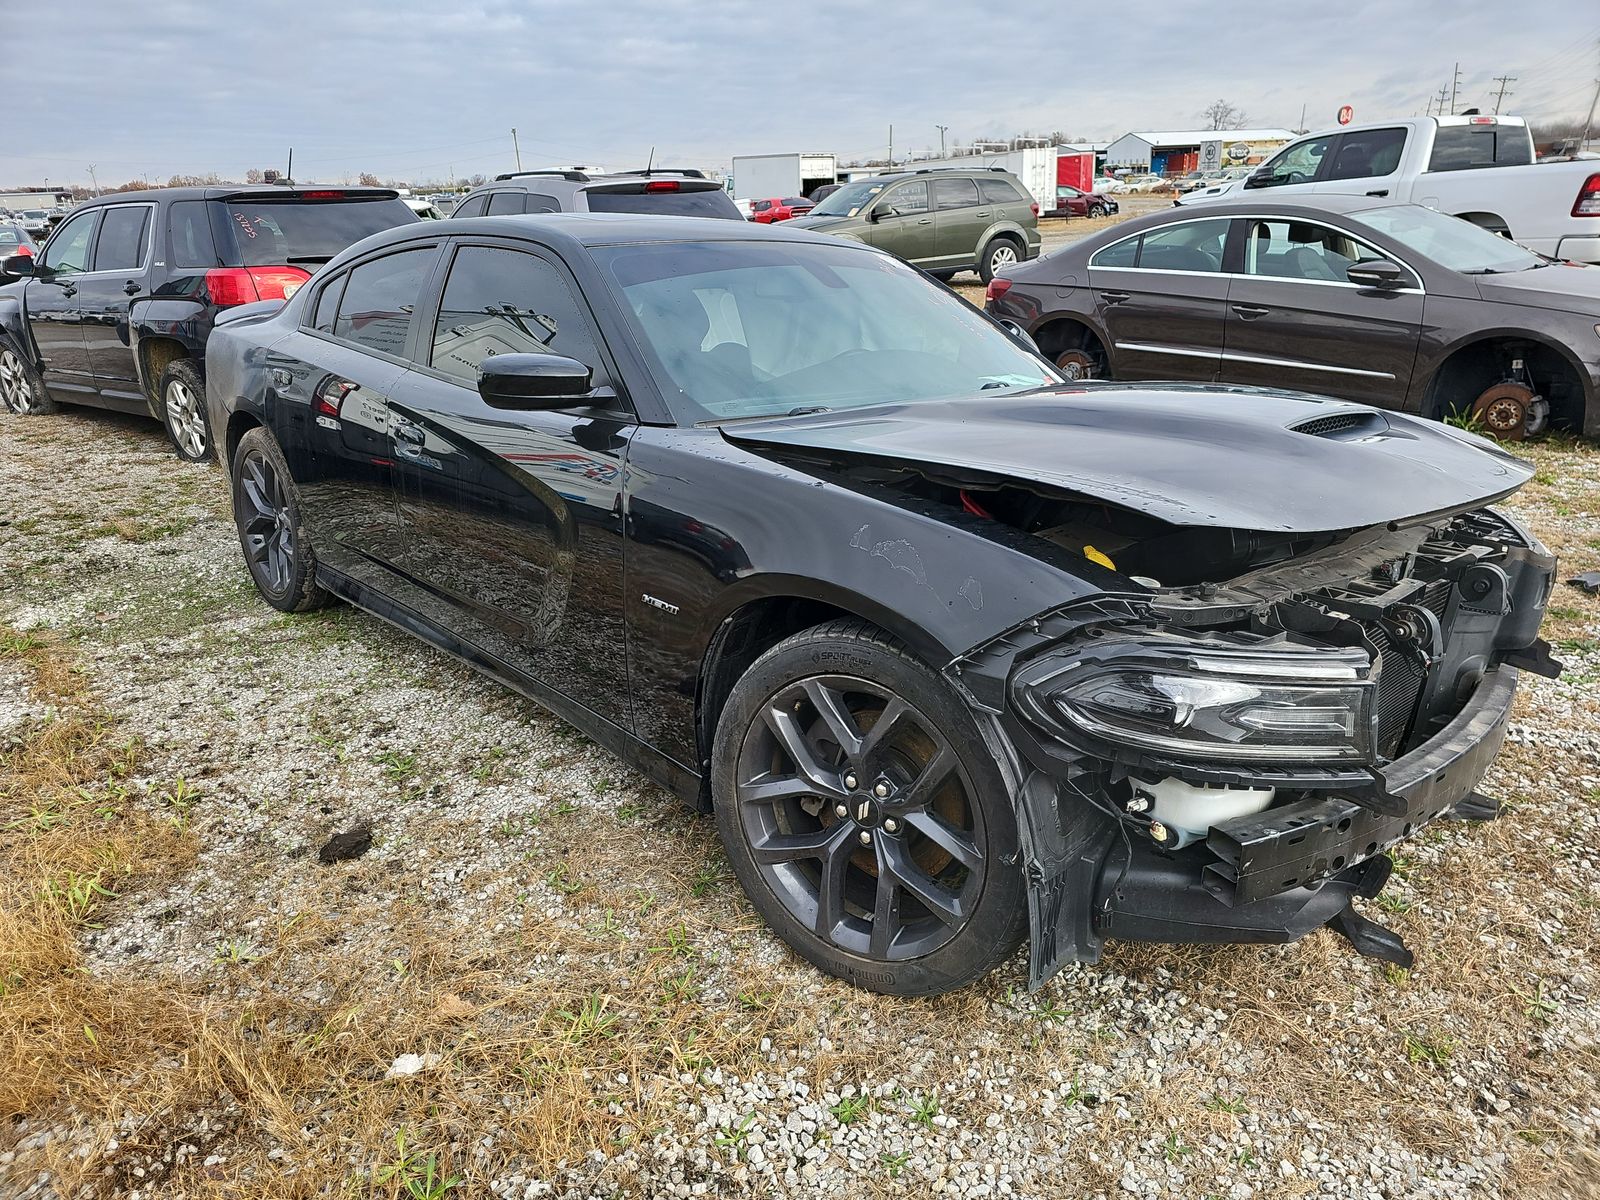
pixel 863 815
pixel 997 255
pixel 944 276
pixel 183 410
pixel 266 509
pixel 21 389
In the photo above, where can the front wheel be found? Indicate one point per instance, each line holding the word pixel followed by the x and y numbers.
pixel 864 817
pixel 21 389
pixel 266 509
pixel 997 255
pixel 183 410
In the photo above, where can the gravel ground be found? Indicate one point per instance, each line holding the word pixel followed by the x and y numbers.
pixel 542 975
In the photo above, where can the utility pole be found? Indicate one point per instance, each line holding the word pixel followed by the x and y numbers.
pixel 1302 126
pixel 515 147
pixel 891 145
pixel 94 180
pixel 289 178
pixel 1455 83
pixel 1502 80
pixel 1443 92
pixel 941 129
pixel 1589 120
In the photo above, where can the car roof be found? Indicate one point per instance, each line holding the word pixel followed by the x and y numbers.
pixel 243 191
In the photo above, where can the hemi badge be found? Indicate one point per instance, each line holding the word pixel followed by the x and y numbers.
pixel 661 604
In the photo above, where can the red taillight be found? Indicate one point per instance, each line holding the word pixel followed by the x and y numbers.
pixel 662 185
pixel 229 286
pixel 25 249
pixel 1588 202
pixel 322 195
pixel 1035 208
pixel 997 287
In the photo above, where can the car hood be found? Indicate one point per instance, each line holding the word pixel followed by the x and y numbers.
pixel 1566 287
pixel 1241 458
pixel 821 224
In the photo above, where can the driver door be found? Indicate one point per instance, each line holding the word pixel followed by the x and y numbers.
pixel 55 313
pixel 902 222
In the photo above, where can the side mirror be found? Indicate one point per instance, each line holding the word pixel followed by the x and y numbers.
pixel 17 266
pixel 533 382
pixel 1021 336
pixel 1376 273
pixel 1261 177
pixel 881 212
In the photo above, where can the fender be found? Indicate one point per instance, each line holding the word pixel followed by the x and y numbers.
pixel 14 323
pixel 1422 380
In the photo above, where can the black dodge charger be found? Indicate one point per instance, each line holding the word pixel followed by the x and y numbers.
pixel 956 651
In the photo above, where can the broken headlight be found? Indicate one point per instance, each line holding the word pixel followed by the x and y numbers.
pixel 1274 700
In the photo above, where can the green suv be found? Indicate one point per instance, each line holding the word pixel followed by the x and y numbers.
pixel 943 220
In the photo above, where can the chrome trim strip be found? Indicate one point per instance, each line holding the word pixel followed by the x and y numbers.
pixel 1182 351
pixel 1303 366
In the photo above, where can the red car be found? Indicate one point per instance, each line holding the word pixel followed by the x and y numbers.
pixel 767 212
pixel 1070 202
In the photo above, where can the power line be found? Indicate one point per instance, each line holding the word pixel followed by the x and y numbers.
pixel 1502 80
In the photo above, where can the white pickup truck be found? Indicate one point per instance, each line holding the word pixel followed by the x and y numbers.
pixel 1477 167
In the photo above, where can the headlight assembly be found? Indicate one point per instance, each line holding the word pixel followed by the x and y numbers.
pixel 1219 698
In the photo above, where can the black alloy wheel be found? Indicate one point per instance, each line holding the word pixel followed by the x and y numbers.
pixel 267 512
pixel 21 390
pixel 857 822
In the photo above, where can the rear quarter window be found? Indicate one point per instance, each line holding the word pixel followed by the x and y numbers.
pixel 301 232
pixel 189 234
pixel 998 191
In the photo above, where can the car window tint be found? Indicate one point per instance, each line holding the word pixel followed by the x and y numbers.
pixel 1191 246
pixel 473 206
pixel 380 299
pixel 499 301
pixel 955 193
pixel 998 191
pixel 121 244
pixel 761 205
pixel 537 203
pixel 1302 250
pixel 189 233
pixel 68 251
pixel 1119 254
pixel 908 198
pixel 1464 147
pixel 1370 154
pixel 501 203
pixel 328 306
pixel 1297 163
pixel 791 201
pixel 268 232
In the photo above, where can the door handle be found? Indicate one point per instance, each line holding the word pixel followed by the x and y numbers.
pixel 1114 297
pixel 69 291
pixel 982 212
pixel 1249 312
pixel 131 287
pixel 925 221
pixel 1379 192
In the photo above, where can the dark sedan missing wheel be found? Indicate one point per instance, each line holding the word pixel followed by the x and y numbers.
pixel 957 652
pixel 1356 297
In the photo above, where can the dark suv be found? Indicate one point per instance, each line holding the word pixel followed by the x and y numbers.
pixel 115 309
pixel 662 192
pixel 942 219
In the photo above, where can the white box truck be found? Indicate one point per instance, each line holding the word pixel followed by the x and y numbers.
pixel 779 176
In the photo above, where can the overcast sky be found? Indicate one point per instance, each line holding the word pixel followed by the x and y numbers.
pixel 418 90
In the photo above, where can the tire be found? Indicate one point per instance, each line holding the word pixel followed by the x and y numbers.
pixel 1000 252
pixel 944 275
pixel 266 510
pixel 22 391
pixel 813 831
pixel 183 410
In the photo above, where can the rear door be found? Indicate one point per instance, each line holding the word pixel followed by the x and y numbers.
pixel 1295 321
pixel 121 273
pixel 902 222
pixel 55 316
pixel 1364 163
pixel 960 219
pixel 1162 300
pixel 513 521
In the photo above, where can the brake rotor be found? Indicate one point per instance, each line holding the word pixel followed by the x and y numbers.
pixel 1503 411
pixel 1075 364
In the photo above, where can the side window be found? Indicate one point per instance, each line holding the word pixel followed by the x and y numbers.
pixel 501 203
pixel 189 233
pixel 68 251
pixel 537 203
pixel 908 198
pixel 1119 254
pixel 1370 154
pixel 998 191
pixel 499 301
pixel 380 299
pixel 761 206
pixel 121 244
pixel 1304 251
pixel 473 206
pixel 1464 147
pixel 328 305
pixel 955 193
pixel 1297 163
pixel 1191 246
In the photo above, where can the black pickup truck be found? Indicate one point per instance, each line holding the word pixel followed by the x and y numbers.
pixel 115 310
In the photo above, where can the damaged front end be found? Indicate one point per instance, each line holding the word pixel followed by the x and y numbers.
pixel 1228 761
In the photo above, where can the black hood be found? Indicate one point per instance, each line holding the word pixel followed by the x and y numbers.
pixel 1239 458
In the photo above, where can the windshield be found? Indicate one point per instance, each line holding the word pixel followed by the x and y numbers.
pixel 289 231
pixel 1449 241
pixel 849 199
pixel 751 329
pixel 35 214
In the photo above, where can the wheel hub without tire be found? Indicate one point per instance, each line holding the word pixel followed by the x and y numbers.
pixel 1076 365
pixel 1504 411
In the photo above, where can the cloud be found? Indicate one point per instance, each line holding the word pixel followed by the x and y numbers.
pixel 417 90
